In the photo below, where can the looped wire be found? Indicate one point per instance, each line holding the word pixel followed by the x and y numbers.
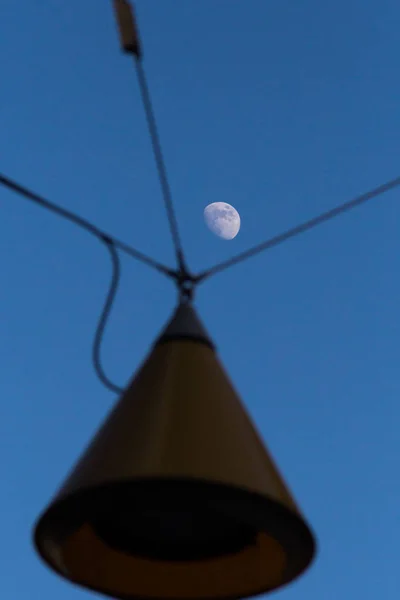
pixel 98 338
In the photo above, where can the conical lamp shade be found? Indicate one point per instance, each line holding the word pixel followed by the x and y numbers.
pixel 176 497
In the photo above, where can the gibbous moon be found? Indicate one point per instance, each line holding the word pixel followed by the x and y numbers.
pixel 222 219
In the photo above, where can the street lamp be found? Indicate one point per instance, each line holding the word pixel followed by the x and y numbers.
pixel 176 497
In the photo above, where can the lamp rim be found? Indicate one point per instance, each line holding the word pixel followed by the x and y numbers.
pixel 256 509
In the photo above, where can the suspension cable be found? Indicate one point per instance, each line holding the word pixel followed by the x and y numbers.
pixel 160 163
pixel 185 281
pixel 130 43
pixel 111 244
pixel 305 226
pixel 87 225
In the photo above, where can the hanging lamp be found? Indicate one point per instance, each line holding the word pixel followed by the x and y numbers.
pixel 176 496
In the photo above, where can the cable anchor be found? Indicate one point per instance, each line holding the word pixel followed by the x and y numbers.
pixel 186 284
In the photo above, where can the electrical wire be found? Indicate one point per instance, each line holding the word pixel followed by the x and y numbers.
pixel 112 244
pixel 186 281
pixel 160 163
pixel 290 233
pixel 108 304
pixel 70 216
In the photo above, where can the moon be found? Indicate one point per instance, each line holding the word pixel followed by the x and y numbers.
pixel 222 219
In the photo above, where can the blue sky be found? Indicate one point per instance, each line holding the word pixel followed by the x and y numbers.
pixel 281 108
